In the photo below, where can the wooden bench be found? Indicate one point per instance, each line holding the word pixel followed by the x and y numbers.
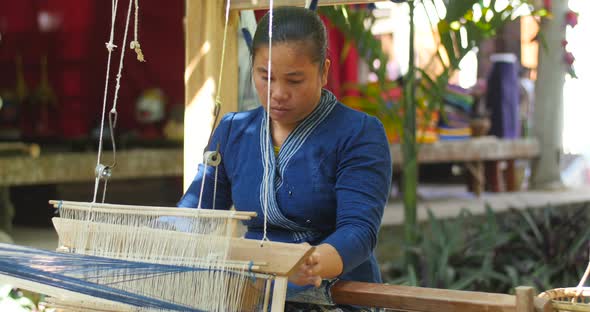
pixel 474 153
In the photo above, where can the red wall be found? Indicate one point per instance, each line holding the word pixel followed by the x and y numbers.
pixel 75 46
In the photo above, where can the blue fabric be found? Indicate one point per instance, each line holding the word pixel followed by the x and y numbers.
pixel 503 100
pixel 331 181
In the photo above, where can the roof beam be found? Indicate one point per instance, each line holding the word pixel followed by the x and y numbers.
pixel 264 4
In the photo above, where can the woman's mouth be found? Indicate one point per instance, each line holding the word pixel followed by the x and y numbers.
pixel 278 112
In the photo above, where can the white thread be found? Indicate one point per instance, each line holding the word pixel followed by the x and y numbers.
pixel 203 183
pixel 268 144
pixel 132 233
pixel 215 187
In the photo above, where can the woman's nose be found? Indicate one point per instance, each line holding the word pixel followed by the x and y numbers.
pixel 279 92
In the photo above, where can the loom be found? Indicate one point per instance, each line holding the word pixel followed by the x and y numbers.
pixel 135 258
pixel 146 258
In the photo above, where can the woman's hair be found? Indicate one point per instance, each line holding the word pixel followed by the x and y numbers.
pixel 294 24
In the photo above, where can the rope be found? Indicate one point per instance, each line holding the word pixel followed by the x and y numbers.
pixel 134 45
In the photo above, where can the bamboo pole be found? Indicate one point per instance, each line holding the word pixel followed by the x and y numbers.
pixel 409 148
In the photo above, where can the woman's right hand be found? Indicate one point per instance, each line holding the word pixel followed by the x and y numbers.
pixel 307 273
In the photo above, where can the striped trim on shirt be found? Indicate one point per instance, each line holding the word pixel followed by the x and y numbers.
pixel 291 145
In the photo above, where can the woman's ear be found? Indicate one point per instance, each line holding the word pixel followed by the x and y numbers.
pixel 325 72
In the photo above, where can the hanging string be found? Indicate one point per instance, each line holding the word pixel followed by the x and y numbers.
pixel 203 184
pixel 134 45
pixel 122 58
pixel 268 143
pixel 110 47
pixel 215 187
pixel 113 111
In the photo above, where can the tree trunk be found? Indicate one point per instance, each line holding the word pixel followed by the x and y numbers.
pixel 548 107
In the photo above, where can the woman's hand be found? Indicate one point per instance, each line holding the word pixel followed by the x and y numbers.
pixel 307 273
pixel 324 262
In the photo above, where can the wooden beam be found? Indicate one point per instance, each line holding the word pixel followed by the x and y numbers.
pixel 59 293
pixel 264 4
pixel 425 299
pixel 204 30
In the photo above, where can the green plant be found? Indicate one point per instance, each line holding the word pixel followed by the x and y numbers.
pixel 452 254
pixel 545 248
pixel 12 299
pixel 549 248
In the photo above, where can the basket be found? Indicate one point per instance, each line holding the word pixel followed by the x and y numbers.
pixel 566 300
pixel 570 298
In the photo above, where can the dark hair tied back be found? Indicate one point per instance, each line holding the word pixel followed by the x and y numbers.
pixel 293 24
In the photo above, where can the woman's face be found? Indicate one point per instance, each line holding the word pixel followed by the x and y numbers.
pixel 296 82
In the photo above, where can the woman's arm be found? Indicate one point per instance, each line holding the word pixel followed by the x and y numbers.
pixel 362 187
pixel 363 182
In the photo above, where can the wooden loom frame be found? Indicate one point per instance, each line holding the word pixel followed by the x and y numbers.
pixel 271 258
pixel 203 24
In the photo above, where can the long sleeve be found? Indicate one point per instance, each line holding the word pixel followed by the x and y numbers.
pixel 362 187
pixel 222 189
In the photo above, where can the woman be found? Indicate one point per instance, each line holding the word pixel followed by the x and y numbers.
pixel 330 168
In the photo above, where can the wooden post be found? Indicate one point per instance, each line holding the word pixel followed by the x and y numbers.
pixel 548 111
pixel 6 213
pixel 525 297
pixel 279 294
pixel 204 29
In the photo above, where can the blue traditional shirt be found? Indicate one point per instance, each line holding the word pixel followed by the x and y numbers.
pixel 329 182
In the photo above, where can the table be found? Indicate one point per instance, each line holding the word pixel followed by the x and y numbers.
pixel 55 168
